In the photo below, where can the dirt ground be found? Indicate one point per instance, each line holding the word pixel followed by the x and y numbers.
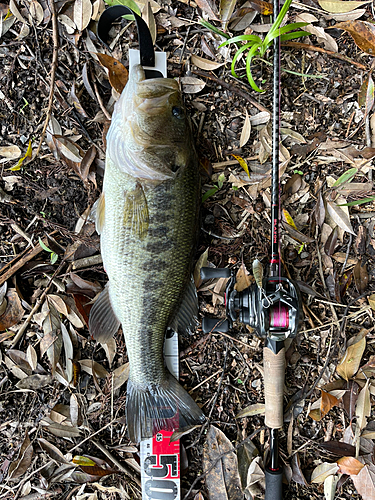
pixel 45 419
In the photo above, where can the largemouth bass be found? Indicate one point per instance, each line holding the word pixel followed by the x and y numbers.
pixel 147 219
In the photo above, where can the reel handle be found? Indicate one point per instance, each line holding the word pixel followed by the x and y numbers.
pixel 215 325
pixel 209 273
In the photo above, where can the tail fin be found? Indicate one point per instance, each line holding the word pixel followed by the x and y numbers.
pixel 156 404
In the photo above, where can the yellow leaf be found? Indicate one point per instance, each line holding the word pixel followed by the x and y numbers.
pixel 288 219
pixel 243 163
pixel 79 460
pixel 21 160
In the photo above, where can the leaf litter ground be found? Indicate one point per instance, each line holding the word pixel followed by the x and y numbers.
pixel 62 399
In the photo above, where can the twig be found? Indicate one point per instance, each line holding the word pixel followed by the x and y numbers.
pixel 55 38
pixel 23 258
pixel 331 53
pixel 206 380
pixel 232 88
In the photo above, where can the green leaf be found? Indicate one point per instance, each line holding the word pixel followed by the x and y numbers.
pixel 345 177
pixel 128 3
pixel 357 202
pixel 213 28
pixel 249 57
pixel 44 246
pixel 54 257
pixel 220 181
pixel 295 34
pixel 209 193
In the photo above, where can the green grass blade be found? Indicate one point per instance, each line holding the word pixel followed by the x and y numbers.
pixel 213 28
pixel 242 38
pixel 250 78
pixel 237 55
pixel 295 34
pixel 357 202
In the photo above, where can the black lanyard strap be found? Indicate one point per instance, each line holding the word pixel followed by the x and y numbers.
pixel 146 46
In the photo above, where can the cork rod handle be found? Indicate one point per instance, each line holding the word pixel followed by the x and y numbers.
pixel 274 375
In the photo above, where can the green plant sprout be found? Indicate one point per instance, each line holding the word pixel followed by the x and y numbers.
pixel 256 46
pixel 219 185
pixel 54 255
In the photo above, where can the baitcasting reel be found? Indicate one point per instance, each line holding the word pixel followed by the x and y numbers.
pixel 273 310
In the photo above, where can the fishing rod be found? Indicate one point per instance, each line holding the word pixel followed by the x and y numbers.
pixel 272 306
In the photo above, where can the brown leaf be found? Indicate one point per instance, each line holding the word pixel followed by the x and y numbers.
pixel 339 216
pixel 360 241
pixel 362 32
pixel 363 407
pixel 61 430
pixel 350 362
pixel 328 402
pixel 364 482
pixel 23 461
pixel 297 475
pixel 73 99
pixel 349 465
pixel 13 312
pixel 350 398
pixel 35 382
pixel 117 73
pixel 242 278
pixel 338 448
pixel 52 451
pixel 245 455
pixel 209 8
pixel 331 242
pixel 95 470
pixel 297 235
pixel 82 13
pixel 361 276
pixel 222 481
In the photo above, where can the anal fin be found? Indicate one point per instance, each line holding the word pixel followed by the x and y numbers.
pixel 103 323
pixel 185 321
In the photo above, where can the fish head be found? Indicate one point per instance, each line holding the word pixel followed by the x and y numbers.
pixel 155 127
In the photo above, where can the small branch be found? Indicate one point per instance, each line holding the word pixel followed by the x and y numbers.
pixel 331 53
pixel 55 37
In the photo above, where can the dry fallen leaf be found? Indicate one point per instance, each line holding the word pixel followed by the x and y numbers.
pixel 349 465
pixel 340 6
pixel 320 473
pixel 364 482
pixel 363 33
pixel 23 461
pixel 245 134
pixel 222 481
pixel 205 64
pixel 82 11
pixel 117 73
pixel 350 362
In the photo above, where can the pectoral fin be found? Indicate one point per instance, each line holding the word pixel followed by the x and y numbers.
pixel 97 213
pixel 136 212
pixel 103 323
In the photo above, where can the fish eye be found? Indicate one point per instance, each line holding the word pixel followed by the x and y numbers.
pixel 178 112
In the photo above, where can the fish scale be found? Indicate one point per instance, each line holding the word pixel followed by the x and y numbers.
pixel 148 228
